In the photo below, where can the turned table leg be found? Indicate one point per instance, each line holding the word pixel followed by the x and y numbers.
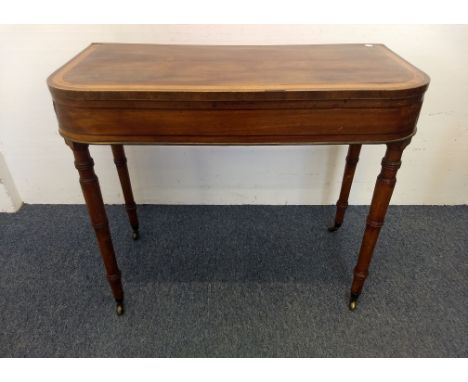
pixel 92 195
pixel 121 163
pixel 380 200
pixel 351 161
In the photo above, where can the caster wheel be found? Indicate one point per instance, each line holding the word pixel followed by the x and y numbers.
pixel 353 302
pixel 120 309
pixel 334 228
pixel 135 235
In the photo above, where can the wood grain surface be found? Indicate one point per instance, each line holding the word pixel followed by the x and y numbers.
pixel 185 94
pixel 189 71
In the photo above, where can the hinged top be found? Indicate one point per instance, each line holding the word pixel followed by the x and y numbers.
pixel 194 72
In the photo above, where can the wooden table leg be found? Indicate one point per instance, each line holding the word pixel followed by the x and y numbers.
pixel 121 163
pixel 380 200
pixel 351 161
pixel 97 213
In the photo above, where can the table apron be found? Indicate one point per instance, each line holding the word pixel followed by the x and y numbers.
pixel 282 126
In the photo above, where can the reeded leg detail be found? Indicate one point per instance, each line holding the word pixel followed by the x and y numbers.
pixel 97 213
pixel 380 200
pixel 121 163
pixel 351 161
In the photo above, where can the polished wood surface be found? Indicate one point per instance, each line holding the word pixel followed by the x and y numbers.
pixel 301 94
pixel 342 204
pixel 380 200
pixel 191 70
pixel 120 161
pixel 170 94
pixel 92 194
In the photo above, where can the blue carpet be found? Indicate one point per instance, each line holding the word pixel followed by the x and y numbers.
pixel 234 281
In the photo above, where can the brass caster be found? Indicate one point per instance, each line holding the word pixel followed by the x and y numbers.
pixel 353 302
pixel 334 228
pixel 135 235
pixel 120 309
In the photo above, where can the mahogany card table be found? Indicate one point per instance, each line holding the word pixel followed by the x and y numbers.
pixel 122 94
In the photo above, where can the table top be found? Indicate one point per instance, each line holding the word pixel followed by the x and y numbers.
pixel 108 71
pixel 186 94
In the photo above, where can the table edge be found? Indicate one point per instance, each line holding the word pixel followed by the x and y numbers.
pixel 72 138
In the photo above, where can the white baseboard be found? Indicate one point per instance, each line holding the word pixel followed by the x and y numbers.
pixel 10 200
